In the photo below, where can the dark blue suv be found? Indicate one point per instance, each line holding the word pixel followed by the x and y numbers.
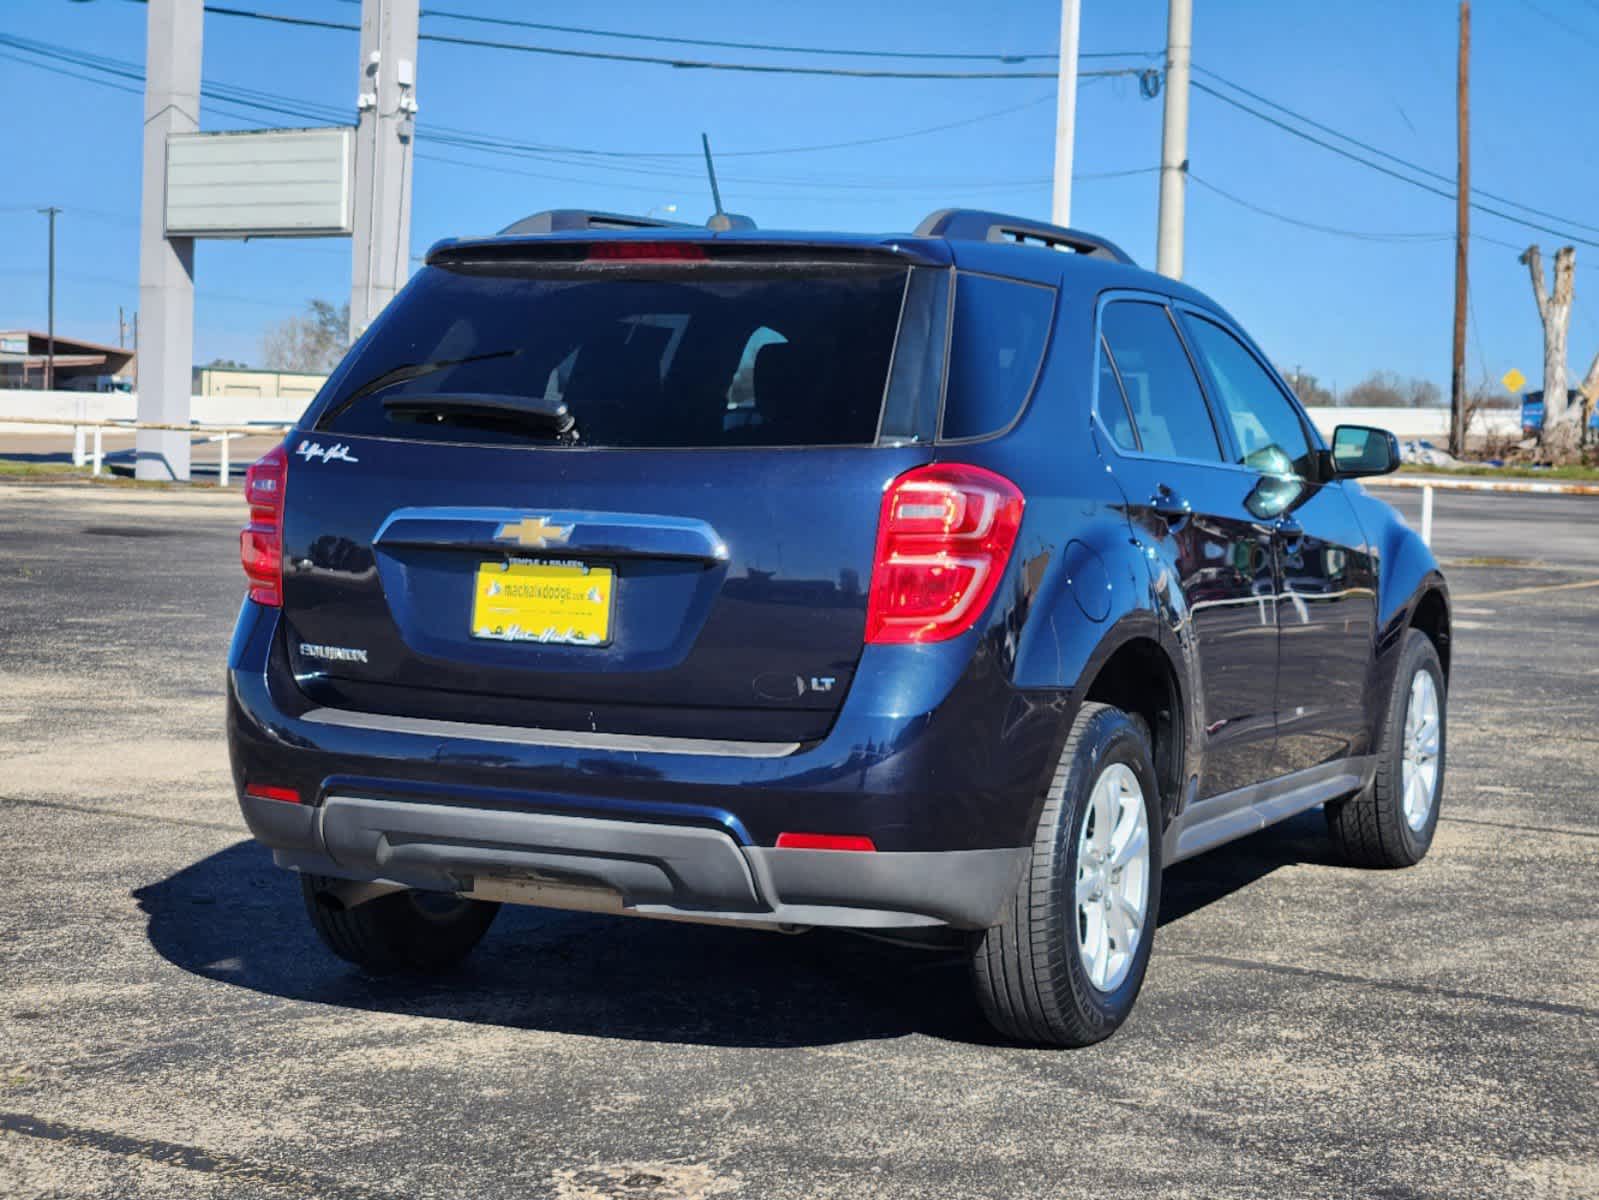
pixel 950 584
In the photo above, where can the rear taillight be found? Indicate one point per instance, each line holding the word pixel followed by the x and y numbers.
pixel 261 541
pixel 944 536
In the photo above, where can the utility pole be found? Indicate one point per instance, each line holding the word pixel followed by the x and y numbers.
pixel 1457 377
pixel 1174 139
pixel 166 265
pixel 50 316
pixel 1065 114
pixel 122 330
pixel 387 111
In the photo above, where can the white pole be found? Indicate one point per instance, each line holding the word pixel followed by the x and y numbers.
pixel 99 448
pixel 225 439
pixel 1174 140
pixel 386 119
pixel 1426 515
pixel 166 265
pixel 78 455
pixel 1065 114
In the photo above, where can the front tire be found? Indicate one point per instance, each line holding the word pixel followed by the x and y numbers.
pixel 1391 823
pixel 1065 964
pixel 400 931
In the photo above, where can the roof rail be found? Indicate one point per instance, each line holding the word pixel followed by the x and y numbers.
pixel 975 225
pixel 577 220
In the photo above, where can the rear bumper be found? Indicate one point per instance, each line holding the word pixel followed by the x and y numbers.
pixel 647 868
pixel 934 757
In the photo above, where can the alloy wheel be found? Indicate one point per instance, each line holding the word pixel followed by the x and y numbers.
pixel 1419 775
pixel 1112 877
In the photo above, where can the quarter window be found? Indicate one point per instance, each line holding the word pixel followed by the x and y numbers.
pixel 1113 407
pixel 1167 405
pixel 997 342
pixel 1266 429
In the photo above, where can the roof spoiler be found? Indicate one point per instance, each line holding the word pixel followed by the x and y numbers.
pixel 975 225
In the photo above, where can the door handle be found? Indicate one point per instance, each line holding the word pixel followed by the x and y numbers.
pixel 1291 532
pixel 1168 503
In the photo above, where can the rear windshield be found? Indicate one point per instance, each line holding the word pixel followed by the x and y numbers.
pixel 724 355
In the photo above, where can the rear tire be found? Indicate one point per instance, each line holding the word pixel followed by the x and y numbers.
pixel 401 931
pixel 1034 978
pixel 1391 823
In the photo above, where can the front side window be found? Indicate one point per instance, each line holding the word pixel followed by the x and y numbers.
pixel 1266 429
pixel 1167 405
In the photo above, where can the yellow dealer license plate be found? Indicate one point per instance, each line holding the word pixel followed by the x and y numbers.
pixel 561 602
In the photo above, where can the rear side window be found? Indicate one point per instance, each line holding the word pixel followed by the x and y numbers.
pixel 673 356
pixel 1168 408
pixel 1265 427
pixel 997 343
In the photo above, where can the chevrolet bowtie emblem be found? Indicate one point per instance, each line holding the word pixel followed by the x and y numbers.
pixel 533 532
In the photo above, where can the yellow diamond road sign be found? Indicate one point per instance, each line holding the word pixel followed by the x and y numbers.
pixel 1513 380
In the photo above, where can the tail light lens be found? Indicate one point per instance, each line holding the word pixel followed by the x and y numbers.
pixel 944 536
pixel 261 541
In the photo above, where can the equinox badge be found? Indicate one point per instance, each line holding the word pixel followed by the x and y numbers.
pixel 533 532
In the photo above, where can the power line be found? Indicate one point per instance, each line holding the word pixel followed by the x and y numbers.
pixel 1554 20
pixel 1362 235
pixel 1366 162
pixel 690 64
pixel 770 47
pixel 251 100
pixel 302 110
pixel 1393 158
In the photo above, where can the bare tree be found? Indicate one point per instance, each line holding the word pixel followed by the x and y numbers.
pixel 1562 433
pixel 1385 389
pixel 1310 391
pixel 313 342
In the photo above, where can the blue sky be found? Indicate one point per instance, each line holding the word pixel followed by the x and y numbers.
pixel 1336 306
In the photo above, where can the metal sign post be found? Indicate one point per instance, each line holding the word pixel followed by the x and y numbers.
pixel 166 265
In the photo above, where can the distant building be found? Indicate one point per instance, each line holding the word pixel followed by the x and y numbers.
pixel 253 385
pixel 80 366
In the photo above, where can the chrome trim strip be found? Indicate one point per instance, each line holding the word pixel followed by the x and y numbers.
pixel 565 738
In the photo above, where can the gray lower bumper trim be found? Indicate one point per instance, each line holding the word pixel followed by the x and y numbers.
pixel 650 869
pixel 963 888
pixel 441 845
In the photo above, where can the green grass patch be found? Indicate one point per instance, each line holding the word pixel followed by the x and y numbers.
pixel 67 473
pixel 30 469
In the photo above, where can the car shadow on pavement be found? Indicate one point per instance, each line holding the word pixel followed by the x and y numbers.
pixel 235 918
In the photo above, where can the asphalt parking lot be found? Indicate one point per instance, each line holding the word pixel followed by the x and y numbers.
pixel 170 1027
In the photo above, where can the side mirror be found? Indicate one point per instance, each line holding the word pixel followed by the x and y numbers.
pixel 1363 450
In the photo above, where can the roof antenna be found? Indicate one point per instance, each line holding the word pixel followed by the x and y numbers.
pixel 720 221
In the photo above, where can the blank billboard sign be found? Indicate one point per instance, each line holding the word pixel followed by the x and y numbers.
pixel 275 183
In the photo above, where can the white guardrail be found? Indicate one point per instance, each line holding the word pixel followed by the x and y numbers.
pixel 88 407
pixel 81 455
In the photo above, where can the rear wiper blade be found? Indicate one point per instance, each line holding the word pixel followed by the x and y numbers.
pixel 485 408
pixel 409 372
